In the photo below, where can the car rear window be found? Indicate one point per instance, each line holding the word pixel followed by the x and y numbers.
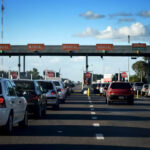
pixel 138 84
pixel 46 85
pixel 120 86
pixel 56 83
pixel 0 89
pixel 24 85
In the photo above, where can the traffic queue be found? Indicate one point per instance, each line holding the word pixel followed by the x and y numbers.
pixel 20 98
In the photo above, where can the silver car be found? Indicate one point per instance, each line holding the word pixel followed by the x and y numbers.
pixel 50 92
pixel 13 109
pixel 62 91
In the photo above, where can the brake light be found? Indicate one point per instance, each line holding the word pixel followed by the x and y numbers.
pixel 131 90
pixel 53 92
pixel 35 97
pixel 2 102
pixel 110 90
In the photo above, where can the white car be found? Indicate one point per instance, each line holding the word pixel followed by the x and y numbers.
pixel 13 109
pixel 62 91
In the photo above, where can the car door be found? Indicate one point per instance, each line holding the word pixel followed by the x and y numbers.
pixel 21 103
pixel 11 97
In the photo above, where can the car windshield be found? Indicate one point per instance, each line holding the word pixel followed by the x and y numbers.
pixel 46 85
pixel 0 89
pixel 138 84
pixel 120 86
pixel 56 83
pixel 24 85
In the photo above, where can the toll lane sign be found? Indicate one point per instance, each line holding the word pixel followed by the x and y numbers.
pixel 138 46
pixel 4 47
pixel 35 47
pixel 70 47
pixel 106 47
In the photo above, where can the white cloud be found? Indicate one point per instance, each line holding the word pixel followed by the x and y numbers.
pixel 144 13
pixel 78 59
pixel 122 14
pixel 135 30
pixel 91 15
pixel 126 20
pixel 54 60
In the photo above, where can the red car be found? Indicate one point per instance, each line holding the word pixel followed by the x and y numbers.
pixel 120 91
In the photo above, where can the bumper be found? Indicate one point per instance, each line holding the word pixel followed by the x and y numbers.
pixel 120 97
pixel 4 114
pixel 52 101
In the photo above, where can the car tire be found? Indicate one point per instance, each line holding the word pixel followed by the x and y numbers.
pixel 24 122
pixel 38 113
pixel 56 107
pixel 44 110
pixel 8 129
pixel 131 102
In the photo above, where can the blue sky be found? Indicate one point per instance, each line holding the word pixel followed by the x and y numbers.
pixel 87 22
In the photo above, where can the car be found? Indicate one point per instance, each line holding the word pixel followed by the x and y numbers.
pixel 96 87
pixel 120 91
pixel 13 109
pixel 103 88
pixel 144 89
pixel 62 91
pixel 137 86
pixel 147 92
pixel 33 92
pixel 50 92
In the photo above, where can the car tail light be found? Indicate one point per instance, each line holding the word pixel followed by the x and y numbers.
pixel 110 90
pixel 53 92
pixel 131 90
pixel 34 97
pixel 2 102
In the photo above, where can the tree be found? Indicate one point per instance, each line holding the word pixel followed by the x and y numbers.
pixel 35 74
pixel 140 68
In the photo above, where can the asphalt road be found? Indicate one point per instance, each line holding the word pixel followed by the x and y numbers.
pixel 84 123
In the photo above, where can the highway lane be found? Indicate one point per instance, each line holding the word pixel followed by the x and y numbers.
pixel 84 123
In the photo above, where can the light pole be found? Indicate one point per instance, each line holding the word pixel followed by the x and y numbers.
pixel 128 61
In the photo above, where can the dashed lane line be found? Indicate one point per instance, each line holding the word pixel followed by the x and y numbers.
pixel 93 113
pixel 91 106
pixel 99 136
pixel 96 124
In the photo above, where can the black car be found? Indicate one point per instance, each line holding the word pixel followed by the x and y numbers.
pixel 33 93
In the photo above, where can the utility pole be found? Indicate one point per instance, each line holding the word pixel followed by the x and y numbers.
pixel 2 10
pixel 128 61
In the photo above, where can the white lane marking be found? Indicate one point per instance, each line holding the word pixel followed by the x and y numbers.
pixel 91 106
pixel 89 98
pixel 94 118
pixel 96 124
pixel 99 136
pixel 93 113
pixel 92 109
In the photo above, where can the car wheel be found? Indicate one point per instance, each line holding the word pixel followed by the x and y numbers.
pixel 131 102
pixel 56 107
pixel 45 109
pixel 38 113
pixel 9 125
pixel 24 122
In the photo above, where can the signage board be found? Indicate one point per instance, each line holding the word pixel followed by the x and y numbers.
pixel 138 46
pixel 5 47
pixel 35 47
pixel 123 74
pixel 106 47
pixel 70 47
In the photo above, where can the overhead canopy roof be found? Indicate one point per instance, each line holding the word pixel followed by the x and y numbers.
pixel 84 50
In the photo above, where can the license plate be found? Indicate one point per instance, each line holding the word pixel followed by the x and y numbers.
pixel 121 97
